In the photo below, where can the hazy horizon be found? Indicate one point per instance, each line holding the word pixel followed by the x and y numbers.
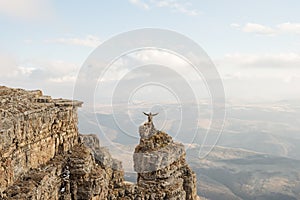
pixel 257 55
pixel 222 74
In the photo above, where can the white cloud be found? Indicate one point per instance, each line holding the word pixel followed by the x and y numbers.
pixel 63 79
pixel 55 68
pixel 163 58
pixel 54 77
pixel 26 9
pixel 235 25
pixel 260 76
pixel 173 5
pixel 259 29
pixel 13 69
pixel 176 6
pixel 281 60
pixel 88 41
pixel 128 62
pixel 289 28
pixel 139 3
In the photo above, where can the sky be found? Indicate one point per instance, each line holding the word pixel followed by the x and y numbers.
pixel 255 44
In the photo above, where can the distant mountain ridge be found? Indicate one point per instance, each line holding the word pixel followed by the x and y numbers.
pixel 229 173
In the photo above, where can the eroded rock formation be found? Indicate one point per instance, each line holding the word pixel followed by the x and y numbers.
pixel 33 130
pixel 161 167
pixel 42 156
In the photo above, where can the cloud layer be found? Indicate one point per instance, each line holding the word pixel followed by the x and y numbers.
pixel 173 5
pixel 259 29
pixel 26 9
pixel 56 76
pixel 272 61
pixel 243 74
pixel 89 41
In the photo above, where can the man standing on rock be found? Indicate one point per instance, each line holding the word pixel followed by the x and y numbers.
pixel 150 116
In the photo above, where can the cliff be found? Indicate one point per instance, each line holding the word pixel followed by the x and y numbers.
pixel 42 156
pixel 161 167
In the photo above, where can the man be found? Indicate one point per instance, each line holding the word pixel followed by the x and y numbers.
pixel 150 116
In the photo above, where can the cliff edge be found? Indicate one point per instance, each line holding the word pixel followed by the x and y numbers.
pixel 43 156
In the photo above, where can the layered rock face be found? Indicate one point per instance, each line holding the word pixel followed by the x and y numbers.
pixel 162 170
pixel 42 156
pixel 33 130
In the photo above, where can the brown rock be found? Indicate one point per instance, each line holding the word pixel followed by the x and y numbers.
pixel 161 166
pixel 42 156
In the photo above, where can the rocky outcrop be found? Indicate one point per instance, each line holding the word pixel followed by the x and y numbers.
pixel 42 156
pixel 161 167
pixel 33 130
